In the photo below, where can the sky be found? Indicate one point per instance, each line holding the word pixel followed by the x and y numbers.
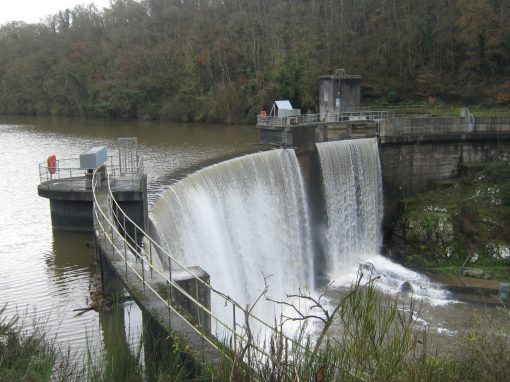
pixel 32 11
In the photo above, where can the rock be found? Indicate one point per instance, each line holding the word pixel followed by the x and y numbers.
pixel 476 273
pixel 415 231
pixel 430 226
pixel 406 287
pixel 499 251
pixel 444 229
pixel 486 194
pixel 448 252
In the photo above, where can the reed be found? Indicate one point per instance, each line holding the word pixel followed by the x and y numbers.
pixel 24 356
pixel 378 340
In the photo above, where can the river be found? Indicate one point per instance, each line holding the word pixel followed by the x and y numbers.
pixel 45 274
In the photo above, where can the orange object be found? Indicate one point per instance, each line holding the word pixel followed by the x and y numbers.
pixel 52 164
pixel 263 113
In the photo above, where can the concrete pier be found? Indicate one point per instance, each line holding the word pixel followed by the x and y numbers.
pixel 71 199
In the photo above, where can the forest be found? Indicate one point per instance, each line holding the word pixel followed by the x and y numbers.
pixel 224 60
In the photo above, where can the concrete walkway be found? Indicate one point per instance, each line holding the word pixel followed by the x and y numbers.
pixel 469 289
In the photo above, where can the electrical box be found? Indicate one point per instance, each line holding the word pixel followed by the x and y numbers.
pixel 93 158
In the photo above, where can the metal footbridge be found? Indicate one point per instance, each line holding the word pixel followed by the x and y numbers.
pixel 176 296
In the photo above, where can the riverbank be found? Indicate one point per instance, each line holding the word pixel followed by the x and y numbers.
pixel 457 232
pixel 381 341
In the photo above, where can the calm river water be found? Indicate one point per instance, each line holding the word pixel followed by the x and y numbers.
pixel 46 274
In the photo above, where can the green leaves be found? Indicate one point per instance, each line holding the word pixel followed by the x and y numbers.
pixel 222 61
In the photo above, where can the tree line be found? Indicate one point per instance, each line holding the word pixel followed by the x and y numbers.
pixel 224 60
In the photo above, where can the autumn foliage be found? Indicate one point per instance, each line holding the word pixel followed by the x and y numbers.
pixel 224 60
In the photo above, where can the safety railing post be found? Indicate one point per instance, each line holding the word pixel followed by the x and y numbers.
pixel 110 228
pixel 136 241
pixel 143 272
pixel 169 302
pixel 203 342
pixel 125 240
pixel 150 256
pixel 201 322
pixel 234 326
pixel 170 280
pixel 199 314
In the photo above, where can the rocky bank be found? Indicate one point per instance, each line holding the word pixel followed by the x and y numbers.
pixel 460 225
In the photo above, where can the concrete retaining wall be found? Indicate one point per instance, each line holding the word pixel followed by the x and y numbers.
pixel 403 127
pixel 415 151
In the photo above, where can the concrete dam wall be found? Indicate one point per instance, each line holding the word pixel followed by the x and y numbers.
pixel 416 151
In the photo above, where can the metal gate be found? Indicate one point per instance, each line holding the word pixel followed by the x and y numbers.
pixel 128 155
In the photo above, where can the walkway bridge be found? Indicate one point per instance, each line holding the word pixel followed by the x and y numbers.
pixel 300 130
pixel 177 298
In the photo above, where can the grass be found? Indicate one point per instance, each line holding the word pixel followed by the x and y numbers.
pixel 378 341
pixel 28 355
pixel 24 357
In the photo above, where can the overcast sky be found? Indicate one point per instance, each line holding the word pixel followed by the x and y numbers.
pixel 32 11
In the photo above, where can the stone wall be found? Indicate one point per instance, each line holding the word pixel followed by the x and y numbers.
pixel 415 151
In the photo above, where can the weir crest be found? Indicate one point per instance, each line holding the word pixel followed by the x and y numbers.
pixel 247 218
pixel 242 220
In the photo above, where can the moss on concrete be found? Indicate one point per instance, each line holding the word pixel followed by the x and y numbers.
pixel 464 225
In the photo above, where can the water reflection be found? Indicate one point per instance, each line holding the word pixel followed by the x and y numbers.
pixel 72 251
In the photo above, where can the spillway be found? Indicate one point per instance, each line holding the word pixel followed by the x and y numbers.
pixel 242 220
pixel 351 174
pixel 247 218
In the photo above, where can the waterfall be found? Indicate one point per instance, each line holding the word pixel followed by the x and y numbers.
pixel 351 174
pixel 241 220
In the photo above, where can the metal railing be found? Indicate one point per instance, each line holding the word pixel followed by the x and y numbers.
pixel 68 174
pixel 444 125
pixel 66 169
pixel 407 119
pixel 345 116
pixel 133 246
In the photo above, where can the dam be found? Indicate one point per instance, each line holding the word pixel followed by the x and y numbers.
pixel 226 195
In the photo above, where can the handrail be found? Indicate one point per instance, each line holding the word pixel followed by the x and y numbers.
pixel 67 168
pixel 367 113
pixel 108 229
pixel 348 115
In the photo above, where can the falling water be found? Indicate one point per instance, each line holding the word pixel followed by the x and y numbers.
pixel 241 220
pixel 351 174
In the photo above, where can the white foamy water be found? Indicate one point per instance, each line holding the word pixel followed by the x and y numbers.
pixel 242 220
pixel 351 175
pixel 247 218
pixel 389 279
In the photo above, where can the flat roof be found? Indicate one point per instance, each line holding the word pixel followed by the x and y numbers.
pixel 342 77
